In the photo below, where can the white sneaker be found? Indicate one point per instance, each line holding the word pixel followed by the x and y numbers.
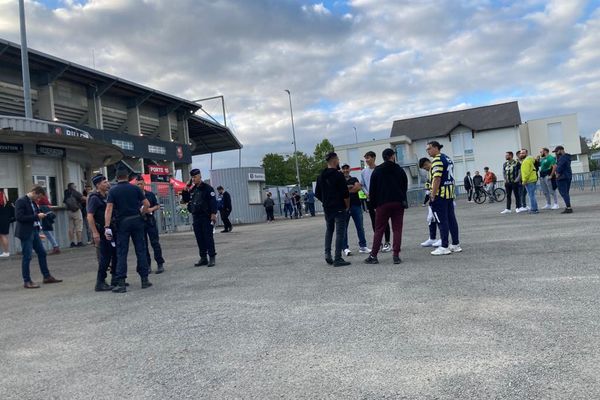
pixel 428 243
pixel 455 248
pixel 528 208
pixel 506 211
pixel 386 248
pixel 364 250
pixel 546 207
pixel 555 207
pixel 441 251
pixel 4 255
pixel 437 243
pixel 520 210
pixel 347 252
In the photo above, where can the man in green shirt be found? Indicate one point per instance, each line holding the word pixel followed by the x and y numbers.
pixel 547 167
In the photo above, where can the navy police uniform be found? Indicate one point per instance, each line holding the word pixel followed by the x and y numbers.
pixel 202 203
pixel 152 234
pixel 107 253
pixel 127 200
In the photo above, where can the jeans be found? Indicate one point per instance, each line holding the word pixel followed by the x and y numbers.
pixel 531 193
pixel 512 188
pixel 287 208
pixel 385 212
pixel 51 238
pixel 546 184
pixel 523 194
pixel 356 214
pixel 564 186
pixel 151 235
pixel 335 220
pixel 131 227
pixel 311 208
pixel 203 230
pixel 373 216
pixel 33 242
pixel 443 212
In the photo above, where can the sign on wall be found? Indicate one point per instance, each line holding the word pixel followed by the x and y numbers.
pixel 256 177
pixel 68 131
pixel 57 152
pixel 158 170
pixel 10 148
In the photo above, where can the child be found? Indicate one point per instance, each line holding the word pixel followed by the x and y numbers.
pixel 425 164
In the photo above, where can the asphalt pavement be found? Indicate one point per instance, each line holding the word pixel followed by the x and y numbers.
pixel 514 316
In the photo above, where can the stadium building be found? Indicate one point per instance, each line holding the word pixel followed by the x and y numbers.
pixel 86 120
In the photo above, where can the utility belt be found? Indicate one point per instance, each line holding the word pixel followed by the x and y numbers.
pixel 118 223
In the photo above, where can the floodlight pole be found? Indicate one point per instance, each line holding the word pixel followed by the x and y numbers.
pixel 355 134
pixel 294 136
pixel 25 63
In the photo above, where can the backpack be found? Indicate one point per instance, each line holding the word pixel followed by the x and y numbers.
pixel 72 204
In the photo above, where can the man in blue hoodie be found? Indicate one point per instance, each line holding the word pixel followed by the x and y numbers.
pixel 564 175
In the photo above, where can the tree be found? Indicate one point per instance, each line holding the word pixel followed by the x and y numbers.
pixel 321 151
pixel 275 167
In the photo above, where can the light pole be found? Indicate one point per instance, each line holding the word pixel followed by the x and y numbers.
pixel 25 62
pixel 294 136
pixel 355 134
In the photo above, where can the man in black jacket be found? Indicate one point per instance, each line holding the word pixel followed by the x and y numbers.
pixel 332 191
pixel 28 227
pixel 387 192
pixel 468 182
pixel 226 210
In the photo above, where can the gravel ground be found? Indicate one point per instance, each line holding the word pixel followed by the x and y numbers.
pixel 515 316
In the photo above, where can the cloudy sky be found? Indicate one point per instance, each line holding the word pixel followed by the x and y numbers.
pixel 348 63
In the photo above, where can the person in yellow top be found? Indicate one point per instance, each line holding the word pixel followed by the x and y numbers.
pixel 529 178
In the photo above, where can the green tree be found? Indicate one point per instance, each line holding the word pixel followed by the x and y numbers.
pixel 275 166
pixel 321 151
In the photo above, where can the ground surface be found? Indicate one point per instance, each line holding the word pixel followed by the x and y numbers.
pixel 514 316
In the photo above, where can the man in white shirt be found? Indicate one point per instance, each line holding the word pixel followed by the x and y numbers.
pixel 365 181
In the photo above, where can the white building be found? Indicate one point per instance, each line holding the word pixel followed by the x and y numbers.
pixel 474 138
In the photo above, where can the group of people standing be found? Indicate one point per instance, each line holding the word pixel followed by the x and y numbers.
pixel 386 187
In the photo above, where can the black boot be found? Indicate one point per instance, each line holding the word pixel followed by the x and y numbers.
pixel 120 288
pixel 146 283
pixel 101 286
pixel 212 262
pixel 201 262
pixel 115 282
pixel 160 269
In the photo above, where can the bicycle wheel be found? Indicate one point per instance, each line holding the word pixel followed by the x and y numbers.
pixel 480 197
pixel 499 194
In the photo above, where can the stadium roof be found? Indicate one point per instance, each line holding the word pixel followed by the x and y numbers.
pixel 477 119
pixel 207 136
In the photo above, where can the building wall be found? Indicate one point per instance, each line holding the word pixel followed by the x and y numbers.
pixel 236 182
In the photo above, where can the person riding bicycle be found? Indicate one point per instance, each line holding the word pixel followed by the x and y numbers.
pixel 489 180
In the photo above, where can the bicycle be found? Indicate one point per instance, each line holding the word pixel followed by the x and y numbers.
pixel 481 195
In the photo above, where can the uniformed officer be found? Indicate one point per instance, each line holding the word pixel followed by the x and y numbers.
pixel 96 208
pixel 151 230
pixel 128 203
pixel 202 204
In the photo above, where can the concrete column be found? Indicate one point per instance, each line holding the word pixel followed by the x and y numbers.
pixel 133 121
pixel 27 176
pixel 65 176
pixel 95 112
pixel 45 103
pixel 164 128
pixel 185 171
pixel 183 132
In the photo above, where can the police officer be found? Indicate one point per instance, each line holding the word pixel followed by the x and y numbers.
pixel 202 204
pixel 96 208
pixel 151 230
pixel 128 203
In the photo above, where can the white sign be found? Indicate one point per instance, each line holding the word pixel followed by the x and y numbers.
pixel 256 177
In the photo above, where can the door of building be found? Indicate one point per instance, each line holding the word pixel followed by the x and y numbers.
pixel 48 183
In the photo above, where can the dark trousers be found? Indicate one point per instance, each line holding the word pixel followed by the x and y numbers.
pixel 522 194
pixel 564 186
pixel 33 243
pixel 131 227
pixel 270 216
pixel 335 221
pixel 225 218
pixel 287 208
pixel 152 236
pixel 470 193
pixel 372 215
pixel 443 212
pixel 311 208
pixel 513 188
pixel 385 212
pixel 106 254
pixel 433 230
pixel 203 230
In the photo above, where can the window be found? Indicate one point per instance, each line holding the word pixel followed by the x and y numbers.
pixel 125 145
pixel 157 149
pixel 254 193
pixel 555 134
pixel 400 154
pixel 462 144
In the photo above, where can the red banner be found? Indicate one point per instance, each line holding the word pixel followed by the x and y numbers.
pixel 158 170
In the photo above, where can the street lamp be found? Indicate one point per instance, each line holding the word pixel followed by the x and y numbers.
pixel 25 62
pixel 294 136
pixel 355 134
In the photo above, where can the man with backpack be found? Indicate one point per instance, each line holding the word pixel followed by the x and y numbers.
pixel 73 201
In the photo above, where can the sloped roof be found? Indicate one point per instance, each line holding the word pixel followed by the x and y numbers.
pixel 477 119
